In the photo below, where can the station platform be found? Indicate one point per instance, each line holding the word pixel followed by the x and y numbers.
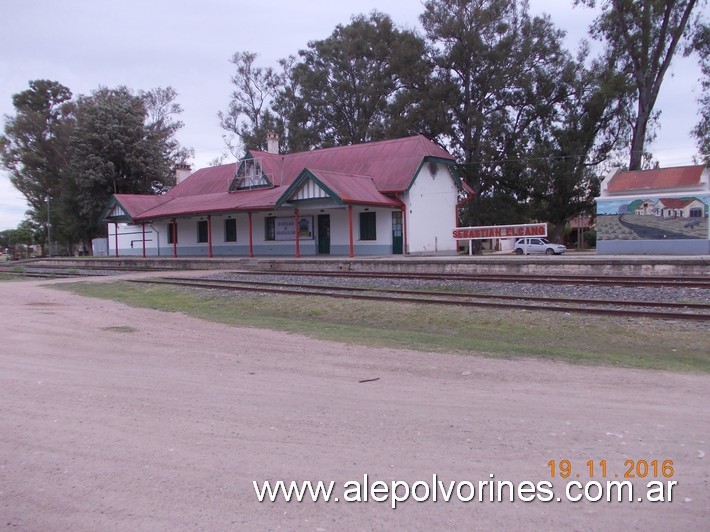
pixel 573 263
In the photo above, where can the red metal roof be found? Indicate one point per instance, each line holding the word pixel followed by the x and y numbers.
pixel 257 199
pixel 206 181
pixel 659 178
pixel 359 173
pixel 354 188
pixel 392 164
pixel 135 204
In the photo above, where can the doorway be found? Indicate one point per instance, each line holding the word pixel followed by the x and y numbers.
pixel 324 234
pixel 397 239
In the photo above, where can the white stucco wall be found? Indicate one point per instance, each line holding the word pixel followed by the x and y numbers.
pixel 431 211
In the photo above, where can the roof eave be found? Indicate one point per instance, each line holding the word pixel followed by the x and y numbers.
pixel 112 202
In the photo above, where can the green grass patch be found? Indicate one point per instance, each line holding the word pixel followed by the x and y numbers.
pixel 575 338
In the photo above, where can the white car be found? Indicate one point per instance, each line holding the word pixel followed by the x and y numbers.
pixel 537 245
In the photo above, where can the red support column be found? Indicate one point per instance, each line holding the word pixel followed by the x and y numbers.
pixel 174 237
pixel 115 228
pixel 143 230
pixel 298 244
pixel 209 235
pixel 406 230
pixel 350 230
pixel 251 238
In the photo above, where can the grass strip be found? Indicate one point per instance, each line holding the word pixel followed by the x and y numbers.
pixel 591 340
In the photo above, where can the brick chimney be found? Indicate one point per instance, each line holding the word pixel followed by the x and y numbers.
pixel 182 172
pixel 272 142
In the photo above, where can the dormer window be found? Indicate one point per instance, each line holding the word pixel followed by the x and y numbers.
pixel 249 175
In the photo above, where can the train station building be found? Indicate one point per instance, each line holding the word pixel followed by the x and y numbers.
pixel 380 198
pixel 663 211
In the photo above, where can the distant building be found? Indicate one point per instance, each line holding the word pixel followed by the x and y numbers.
pixel 660 211
pixel 680 208
pixel 378 198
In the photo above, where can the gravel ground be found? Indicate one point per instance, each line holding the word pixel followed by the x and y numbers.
pixel 612 293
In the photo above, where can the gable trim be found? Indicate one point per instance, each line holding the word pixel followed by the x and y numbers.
pixel 307 175
pixel 451 165
pixel 112 204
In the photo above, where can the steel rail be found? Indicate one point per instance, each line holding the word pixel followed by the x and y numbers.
pixel 686 282
pixel 372 297
pixel 469 295
pixel 606 280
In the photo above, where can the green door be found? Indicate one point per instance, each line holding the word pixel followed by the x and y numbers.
pixel 324 234
pixel 397 238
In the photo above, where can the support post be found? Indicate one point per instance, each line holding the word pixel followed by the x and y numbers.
pixel 174 229
pixel 209 235
pixel 115 235
pixel 298 243
pixel 406 230
pixel 143 231
pixel 251 237
pixel 350 230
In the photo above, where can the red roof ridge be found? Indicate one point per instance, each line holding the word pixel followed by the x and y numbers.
pixel 335 172
pixel 655 178
pixel 424 141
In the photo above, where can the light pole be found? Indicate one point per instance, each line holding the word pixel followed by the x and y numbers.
pixel 49 230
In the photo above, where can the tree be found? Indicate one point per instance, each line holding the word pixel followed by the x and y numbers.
pixel 367 81
pixel 361 82
pixel 123 143
pixel 702 129
pixel 34 148
pixel 501 74
pixel 248 117
pixel 589 124
pixel 644 37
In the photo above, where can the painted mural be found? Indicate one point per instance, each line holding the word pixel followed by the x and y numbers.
pixel 653 218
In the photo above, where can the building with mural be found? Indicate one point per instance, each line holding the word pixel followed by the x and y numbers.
pixel 660 211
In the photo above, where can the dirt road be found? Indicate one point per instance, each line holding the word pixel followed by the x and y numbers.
pixel 115 418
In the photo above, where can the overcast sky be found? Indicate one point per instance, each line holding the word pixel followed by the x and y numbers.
pixel 186 44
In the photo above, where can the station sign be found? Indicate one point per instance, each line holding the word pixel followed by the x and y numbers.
pixel 499 231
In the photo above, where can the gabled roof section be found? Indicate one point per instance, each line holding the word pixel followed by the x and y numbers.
pixel 450 164
pixel 340 187
pixel 656 179
pixel 205 181
pixel 392 164
pixel 256 199
pixel 125 208
pixel 356 174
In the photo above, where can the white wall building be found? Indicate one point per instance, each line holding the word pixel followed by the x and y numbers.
pixel 379 198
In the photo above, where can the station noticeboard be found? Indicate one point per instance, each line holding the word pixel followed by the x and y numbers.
pixel 499 231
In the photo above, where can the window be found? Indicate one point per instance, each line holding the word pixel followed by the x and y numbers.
pixel 230 230
pixel 172 233
pixel 696 213
pixel 270 225
pixel 202 235
pixel 368 226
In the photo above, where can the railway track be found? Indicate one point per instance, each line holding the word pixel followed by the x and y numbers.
pixel 681 311
pixel 41 270
pixel 604 280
